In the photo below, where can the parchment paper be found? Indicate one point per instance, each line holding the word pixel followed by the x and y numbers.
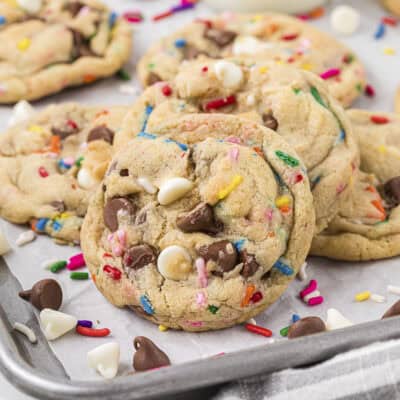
pixel 338 281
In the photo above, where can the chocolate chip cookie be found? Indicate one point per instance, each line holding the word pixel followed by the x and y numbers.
pixel 294 103
pixel 49 45
pixel 199 236
pixel 269 37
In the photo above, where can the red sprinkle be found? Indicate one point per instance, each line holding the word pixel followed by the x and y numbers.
pixel 204 69
pixel 133 16
pixel 259 330
pixel 162 15
pixel 330 73
pixel 219 103
pixel 166 90
pixel 113 272
pixel 257 296
pixel 315 301
pixel 105 255
pixel 92 332
pixel 379 119
pixel 298 178
pixel 206 22
pixel 43 172
pixel 369 91
pixel 290 36
pixel 390 21
pixel 72 124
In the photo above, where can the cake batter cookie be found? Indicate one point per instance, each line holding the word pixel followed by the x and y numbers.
pixel 199 236
pixel 282 38
pixel 49 45
pixel 52 163
pixel 294 103
pixel 392 5
pixel 368 224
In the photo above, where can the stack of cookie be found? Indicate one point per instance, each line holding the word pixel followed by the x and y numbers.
pixel 200 202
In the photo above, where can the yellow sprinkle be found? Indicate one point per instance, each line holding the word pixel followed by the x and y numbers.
pixel 257 18
pixel 162 328
pixel 307 66
pixel 35 129
pixel 362 296
pixel 236 181
pixel 279 62
pixel 282 201
pixel 64 215
pixel 263 70
pixel 389 51
pixel 24 44
pixel 382 149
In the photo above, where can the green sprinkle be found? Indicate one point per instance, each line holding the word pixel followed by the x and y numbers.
pixel 317 96
pixel 284 331
pixel 296 90
pixel 78 162
pixel 58 266
pixel 359 87
pixel 150 66
pixel 213 309
pixel 287 159
pixel 79 276
pixel 124 75
pixel 348 58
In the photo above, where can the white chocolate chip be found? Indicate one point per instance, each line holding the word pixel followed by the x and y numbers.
pixel 228 73
pixel 175 263
pixel 30 6
pixel 28 332
pixel 173 189
pixel 25 237
pixel 377 298
pixel 147 185
pixel 21 112
pixel 55 323
pixel 335 320
pixel 394 289
pixel 4 245
pixel 251 100
pixel 85 179
pixel 249 45
pixel 105 359
pixel 345 19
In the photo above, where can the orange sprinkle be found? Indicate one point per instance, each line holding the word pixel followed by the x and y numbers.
pixel 271 234
pixel 249 292
pixel 284 209
pixel 378 205
pixel 93 277
pixel 317 13
pixel 370 189
pixel 33 224
pixel 55 144
pixel 89 78
pixel 100 113
pixel 258 151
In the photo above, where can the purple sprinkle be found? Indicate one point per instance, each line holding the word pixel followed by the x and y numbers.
pixel 182 7
pixel 85 323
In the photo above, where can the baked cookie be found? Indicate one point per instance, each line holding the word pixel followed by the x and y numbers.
pixel 294 103
pixel 282 38
pixel 48 45
pixel 51 164
pixel 368 224
pixel 199 236
pixel 392 5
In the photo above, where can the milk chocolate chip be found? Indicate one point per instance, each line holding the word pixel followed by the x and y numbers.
pixel 58 206
pixel 200 219
pixel 222 253
pixel 137 257
pixel 392 191
pixel 110 213
pixel 153 78
pixel 65 129
pixel 306 326
pixel 101 133
pixel 220 37
pixel 250 265
pixel 393 311
pixel 270 121
pixel 46 293
pixel 191 52
pixel 81 46
pixel 148 355
pixel 73 7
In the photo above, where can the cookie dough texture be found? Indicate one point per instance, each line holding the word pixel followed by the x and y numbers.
pixel 294 103
pixel 199 236
pixel 392 5
pixel 282 38
pixel 51 164
pixel 65 43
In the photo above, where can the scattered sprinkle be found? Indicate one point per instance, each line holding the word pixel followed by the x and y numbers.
pixel 85 323
pixel 284 331
pixel 259 330
pixel 369 91
pixel 75 262
pixel 380 31
pixel 295 318
pixel 180 43
pixel 28 332
pixel 57 266
pixel 392 21
pixel 25 237
pixel 311 287
pixel 82 330
pixel 133 16
pixel 315 301
pixel 162 328
pixel 389 51
pixel 124 75
pixel 79 276
pixel 363 296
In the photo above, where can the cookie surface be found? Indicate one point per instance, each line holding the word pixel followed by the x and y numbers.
pixel 199 236
pixel 62 43
pixel 294 103
pixel 51 163
pixel 269 37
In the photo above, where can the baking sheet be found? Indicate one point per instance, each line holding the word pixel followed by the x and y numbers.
pixel 338 282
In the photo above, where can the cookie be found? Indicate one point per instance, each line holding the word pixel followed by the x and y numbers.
pixel 294 103
pixel 269 37
pixel 199 236
pixel 368 224
pixel 392 5
pixel 49 45
pixel 50 165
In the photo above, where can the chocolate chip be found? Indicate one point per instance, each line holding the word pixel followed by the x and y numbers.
pixel 46 293
pixel 73 7
pixel 58 205
pixel 148 355
pixel 141 218
pixel 110 213
pixel 104 188
pixel 64 130
pixel 124 172
pixel 101 133
pixel 393 311
pixel 153 78
pixel 81 46
pixel 392 191
pixel 306 326
pixel 137 257
pixel 222 253
pixel 270 122
pixel 200 219
pixel 191 52
pixel 220 37
pixel 250 264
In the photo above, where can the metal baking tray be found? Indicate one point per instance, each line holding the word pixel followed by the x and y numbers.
pixel 36 371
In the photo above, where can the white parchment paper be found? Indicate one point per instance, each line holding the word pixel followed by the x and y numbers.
pixel 338 281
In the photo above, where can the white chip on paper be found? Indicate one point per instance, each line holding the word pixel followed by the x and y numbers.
pixel 25 330
pixel 377 298
pixel 394 289
pixel 4 245
pixel 55 323
pixel 21 112
pixel 345 19
pixel 336 320
pixel 25 237
pixel 105 359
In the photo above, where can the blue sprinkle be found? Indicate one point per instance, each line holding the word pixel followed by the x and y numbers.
pixel 147 112
pixel 295 318
pixel 2 20
pixel 181 145
pixel 239 244
pixel 57 226
pixel 341 137
pixel 112 18
pixel 179 43
pixel 380 31
pixel 147 135
pixel 62 164
pixel 283 268
pixel 41 224
pixel 147 307
pixel 315 181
